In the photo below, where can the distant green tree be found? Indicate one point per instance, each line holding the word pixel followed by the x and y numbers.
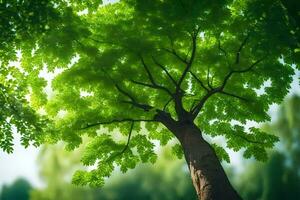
pixel 56 164
pixel 18 190
pixel 163 69
pixel 156 184
pixel 279 178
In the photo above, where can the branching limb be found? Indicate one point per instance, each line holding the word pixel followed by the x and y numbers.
pixel 235 96
pixel 117 121
pixel 150 76
pixel 208 79
pixel 153 86
pixel 190 62
pixel 133 101
pixel 227 77
pixel 126 145
pixel 220 89
pixel 165 70
pixel 199 81
pixel 238 53
pixel 166 105
pixel 145 107
pixel 224 52
pixel 249 140
pixel 174 53
pixel 201 102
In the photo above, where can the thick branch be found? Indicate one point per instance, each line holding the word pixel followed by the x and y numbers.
pixel 166 119
pixel 118 121
pixel 201 102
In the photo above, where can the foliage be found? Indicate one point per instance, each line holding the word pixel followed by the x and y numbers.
pixel 279 178
pixel 128 66
pixel 20 23
pixel 56 164
pixel 19 189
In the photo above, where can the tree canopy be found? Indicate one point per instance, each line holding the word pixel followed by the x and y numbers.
pixel 127 66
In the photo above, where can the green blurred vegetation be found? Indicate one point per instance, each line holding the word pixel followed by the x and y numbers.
pixel 279 178
pixel 167 179
pixel 18 190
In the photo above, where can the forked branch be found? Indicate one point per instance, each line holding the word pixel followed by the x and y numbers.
pixel 165 70
pixel 151 78
pixel 133 101
pixel 238 53
pixel 117 121
pixel 220 89
pixel 125 147
pixel 199 81
pixel 191 60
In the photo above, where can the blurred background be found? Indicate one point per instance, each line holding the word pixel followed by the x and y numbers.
pixel 45 173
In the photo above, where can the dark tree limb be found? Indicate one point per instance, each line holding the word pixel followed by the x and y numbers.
pixel 228 76
pixel 166 105
pixel 190 62
pixel 249 140
pixel 224 52
pixel 153 86
pixel 235 96
pixel 198 107
pixel 125 93
pixel 133 101
pixel 207 78
pixel 238 53
pixel 165 70
pixel 199 81
pixel 117 121
pixel 145 107
pixel 174 53
pixel 126 145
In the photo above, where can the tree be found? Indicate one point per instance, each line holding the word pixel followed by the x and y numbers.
pixel 155 70
pixel 19 189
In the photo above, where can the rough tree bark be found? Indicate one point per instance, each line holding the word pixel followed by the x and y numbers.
pixel 208 176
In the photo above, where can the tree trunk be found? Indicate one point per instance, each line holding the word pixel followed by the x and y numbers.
pixel 207 173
